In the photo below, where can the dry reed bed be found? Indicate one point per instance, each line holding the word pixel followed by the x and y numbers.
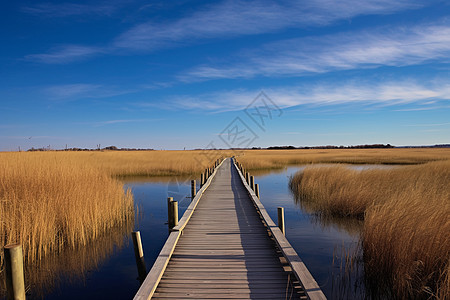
pixel 55 203
pixel 50 202
pixel 53 200
pixel 271 159
pixel 406 235
pixel 148 163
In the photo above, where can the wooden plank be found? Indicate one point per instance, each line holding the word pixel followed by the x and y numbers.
pixel 229 280
pixel 219 275
pixel 180 295
pixel 215 285
pixel 207 290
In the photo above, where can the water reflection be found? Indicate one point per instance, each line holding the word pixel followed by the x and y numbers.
pixel 329 246
pixel 351 226
pixel 72 266
pixel 262 172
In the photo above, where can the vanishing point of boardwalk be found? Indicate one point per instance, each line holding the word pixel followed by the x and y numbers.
pixel 225 248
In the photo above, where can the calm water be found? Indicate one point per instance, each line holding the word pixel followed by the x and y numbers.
pixel 108 268
pixel 320 243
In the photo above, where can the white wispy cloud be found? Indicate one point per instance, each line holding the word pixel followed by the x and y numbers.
pixel 428 125
pixel 61 10
pixel 423 108
pixel 65 54
pixel 118 121
pixel 230 18
pixel 383 93
pixel 82 90
pixel 343 51
pixel 15 137
pixel 239 18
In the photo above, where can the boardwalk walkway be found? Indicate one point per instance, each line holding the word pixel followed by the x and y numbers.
pixel 225 251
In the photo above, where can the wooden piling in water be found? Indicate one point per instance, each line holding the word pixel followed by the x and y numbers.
pixel 139 255
pixel 169 211
pixel 280 211
pixel 15 284
pixel 193 189
pixel 257 190
pixel 246 177
pixel 252 182
pixel 173 214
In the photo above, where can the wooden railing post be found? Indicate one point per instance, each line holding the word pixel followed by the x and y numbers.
pixel 173 217
pixel 175 213
pixel 15 284
pixel 170 213
pixel 257 190
pixel 201 180
pixel 252 182
pixel 246 177
pixel 139 255
pixel 281 219
pixel 193 189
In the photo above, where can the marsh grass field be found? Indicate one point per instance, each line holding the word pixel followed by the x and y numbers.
pixel 53 202
pixel 406 231
pixel 273 159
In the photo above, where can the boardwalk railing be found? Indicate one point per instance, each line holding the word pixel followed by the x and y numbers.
pixel 299 268
pixel 150 283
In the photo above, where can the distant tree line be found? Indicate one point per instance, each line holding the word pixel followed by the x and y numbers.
pixel 367 146
pixel 110 148
pixel 371 146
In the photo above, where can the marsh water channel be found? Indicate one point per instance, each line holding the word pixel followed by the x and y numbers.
pixel 107 269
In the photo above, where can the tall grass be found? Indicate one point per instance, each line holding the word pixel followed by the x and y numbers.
pixel 406 235
pixel 272 159
pixel 49 203
pixel 147 163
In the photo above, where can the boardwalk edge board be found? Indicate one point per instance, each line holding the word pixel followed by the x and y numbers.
pixel 299 268
pixel 190 210
pixel 152 279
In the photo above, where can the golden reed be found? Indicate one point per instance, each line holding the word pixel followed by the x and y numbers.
pixel 57 203
pixel 54 200
pixel 272 159
pixel 49 202
pixel 406 211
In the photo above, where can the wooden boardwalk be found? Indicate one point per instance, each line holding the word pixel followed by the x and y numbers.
pixel 224 248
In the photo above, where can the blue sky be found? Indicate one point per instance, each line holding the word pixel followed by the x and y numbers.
pixel 176 74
